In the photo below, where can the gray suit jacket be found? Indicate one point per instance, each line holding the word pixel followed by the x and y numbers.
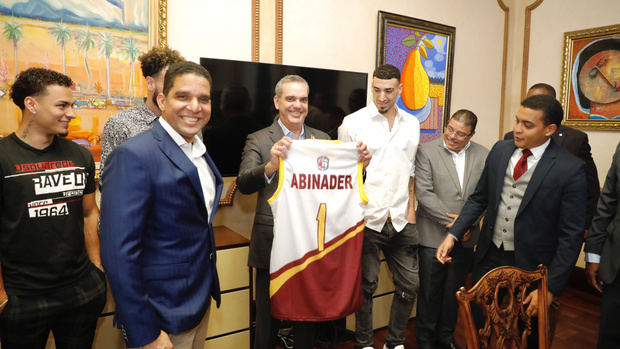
pixel 438 191
pixel 604 237
pixel 251 179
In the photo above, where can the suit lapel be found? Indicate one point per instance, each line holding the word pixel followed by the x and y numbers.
pixel 469 160
pixel 446 160
pixel 178 158
pixel 275 131
pixel 556 136
pixel 540 172
pixel 219 183
pixel 500 173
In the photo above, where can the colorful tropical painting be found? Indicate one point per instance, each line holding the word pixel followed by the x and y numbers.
pixel 95 42
pixel 423 52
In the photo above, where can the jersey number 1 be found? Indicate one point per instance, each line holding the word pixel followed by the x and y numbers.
pixel 320 229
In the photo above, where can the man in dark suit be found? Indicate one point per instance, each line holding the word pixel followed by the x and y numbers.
pixel 162 191
pixel 603 255
pixel 534 195
pixel 447 171
pixel 257 173
pixel 576 142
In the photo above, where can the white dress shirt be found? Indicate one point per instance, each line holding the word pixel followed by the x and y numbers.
pixel 459 161
pixel 195 152
pixel 392 164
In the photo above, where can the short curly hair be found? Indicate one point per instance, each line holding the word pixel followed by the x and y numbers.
pixel 153 61
pixel 34 81
pixel 386 72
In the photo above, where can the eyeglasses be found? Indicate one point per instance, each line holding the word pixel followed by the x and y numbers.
pixel 459 134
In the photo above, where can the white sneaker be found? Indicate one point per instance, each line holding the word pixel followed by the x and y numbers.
pixel 400 346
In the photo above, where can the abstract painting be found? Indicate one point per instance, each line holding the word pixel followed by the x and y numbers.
pixel 423 51
pixel 591 79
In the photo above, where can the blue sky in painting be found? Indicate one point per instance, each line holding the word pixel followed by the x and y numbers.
pixel 101 13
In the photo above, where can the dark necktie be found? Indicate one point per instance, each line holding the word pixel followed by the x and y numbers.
pixel 521 166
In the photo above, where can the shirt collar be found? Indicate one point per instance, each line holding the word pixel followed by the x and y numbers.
pixel 179 140
pixel 289 133
pixel 455 153
pixel 372 108
pixel 538 151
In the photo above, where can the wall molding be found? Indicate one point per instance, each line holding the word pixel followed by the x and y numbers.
pixel 502 103
pixel 279 30
pixel 526 45
pixel 255 30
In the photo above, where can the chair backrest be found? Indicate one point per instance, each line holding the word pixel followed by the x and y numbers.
pixel 500 294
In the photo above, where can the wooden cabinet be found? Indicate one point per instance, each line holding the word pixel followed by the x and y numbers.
pixel 229 325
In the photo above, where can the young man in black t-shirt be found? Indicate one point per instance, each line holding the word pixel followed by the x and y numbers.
pixel 52 278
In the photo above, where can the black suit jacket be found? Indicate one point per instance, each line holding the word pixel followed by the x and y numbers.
pixel 251 179
pixel 604 237
pixel 551 218
pixel 576 142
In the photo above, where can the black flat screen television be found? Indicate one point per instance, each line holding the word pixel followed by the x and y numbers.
pixel 242 102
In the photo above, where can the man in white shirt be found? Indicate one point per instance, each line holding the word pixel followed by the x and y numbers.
pixel 447 171
pixel 158 249
pixel 392 136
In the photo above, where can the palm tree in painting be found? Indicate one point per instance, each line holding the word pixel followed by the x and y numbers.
pixel 13 32
pixel 62 33
pixel 130 52
pixel 85 41
pixel 106 46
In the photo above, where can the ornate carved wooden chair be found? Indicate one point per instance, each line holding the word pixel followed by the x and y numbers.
pixel 500 294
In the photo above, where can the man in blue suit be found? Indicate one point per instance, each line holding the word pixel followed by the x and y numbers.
pixel 534 195
pixel 162 191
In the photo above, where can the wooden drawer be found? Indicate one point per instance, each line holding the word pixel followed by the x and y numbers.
pixel 235 340
pixel 232 268
pixel 233 314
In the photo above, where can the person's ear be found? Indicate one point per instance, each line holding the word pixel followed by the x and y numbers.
pixel 31 104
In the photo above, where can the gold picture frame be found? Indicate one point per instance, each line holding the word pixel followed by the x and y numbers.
pixel 590 92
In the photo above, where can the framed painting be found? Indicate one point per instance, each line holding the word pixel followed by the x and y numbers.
pixel 591 78
pixel 96 43
pixel 424 53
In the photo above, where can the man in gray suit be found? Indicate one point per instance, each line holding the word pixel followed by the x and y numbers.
pixel 447 171
pixel 257 173
pixel 603 255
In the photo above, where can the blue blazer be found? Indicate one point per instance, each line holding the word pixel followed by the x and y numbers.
pixel 157 242
pixel 551 218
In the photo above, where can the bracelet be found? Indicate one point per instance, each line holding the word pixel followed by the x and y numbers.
pixel 4 303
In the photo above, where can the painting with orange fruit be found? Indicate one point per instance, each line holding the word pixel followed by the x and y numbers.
pixel 423 51
pixel 95 42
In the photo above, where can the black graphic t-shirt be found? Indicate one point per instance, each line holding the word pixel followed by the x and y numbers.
pixel 41 217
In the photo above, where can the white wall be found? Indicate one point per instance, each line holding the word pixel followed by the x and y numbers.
pixel 546 55
pixel 343 35
pixel 211 28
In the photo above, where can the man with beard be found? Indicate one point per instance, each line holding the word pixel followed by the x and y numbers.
pixel 141 117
